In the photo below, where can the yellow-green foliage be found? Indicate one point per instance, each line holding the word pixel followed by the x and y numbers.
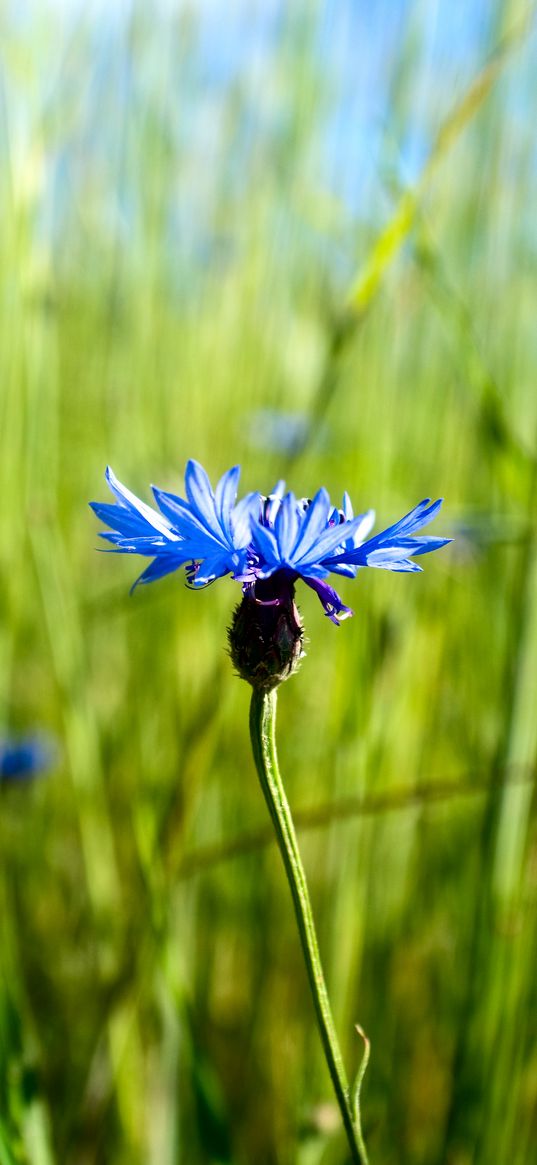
pixel 160 284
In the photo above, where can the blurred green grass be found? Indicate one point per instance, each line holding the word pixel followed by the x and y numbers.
pixel 152 1011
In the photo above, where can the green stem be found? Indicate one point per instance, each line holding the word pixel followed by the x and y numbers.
pixel 262 731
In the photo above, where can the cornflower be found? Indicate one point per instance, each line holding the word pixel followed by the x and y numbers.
pixel 268 543
pixel 276 537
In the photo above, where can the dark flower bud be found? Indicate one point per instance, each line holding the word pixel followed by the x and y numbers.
pixel 266 635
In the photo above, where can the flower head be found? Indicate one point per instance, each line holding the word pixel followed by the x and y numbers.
pixel 207 531
pixel 265 542
pixel 310 539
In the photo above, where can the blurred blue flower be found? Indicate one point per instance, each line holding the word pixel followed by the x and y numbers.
pixel 25 758
pixel 278 430
pixel 279 537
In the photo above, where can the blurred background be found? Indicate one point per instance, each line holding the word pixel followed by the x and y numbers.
pixel 300 237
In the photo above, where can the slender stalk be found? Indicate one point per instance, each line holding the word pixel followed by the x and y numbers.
pixel 262 731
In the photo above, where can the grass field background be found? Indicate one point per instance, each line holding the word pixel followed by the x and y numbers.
pixel 241 234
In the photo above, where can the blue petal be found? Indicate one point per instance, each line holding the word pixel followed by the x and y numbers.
pixel 225 498
pixel 426 544
pixel 389 560
pixel 129 501
pixel 286 527
pixel 241 519
pixel 172 506
pixel 119 518
pixel 200 494
pixel 266 542
pixel 416 519
pixel 272 504
pixel 331 540
pixel 145 545
pixel 333 607
pixel 157 569
pixel 188 525
pixel 314 570
pixel 349 570
pixel 402 547
pixel 347 507
pixel 394 544
pixel 313 524
pixel 212 567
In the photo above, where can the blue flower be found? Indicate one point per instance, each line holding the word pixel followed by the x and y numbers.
pixel 21 759
pixel 267 543
pixel 208 531
pixel 310 539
